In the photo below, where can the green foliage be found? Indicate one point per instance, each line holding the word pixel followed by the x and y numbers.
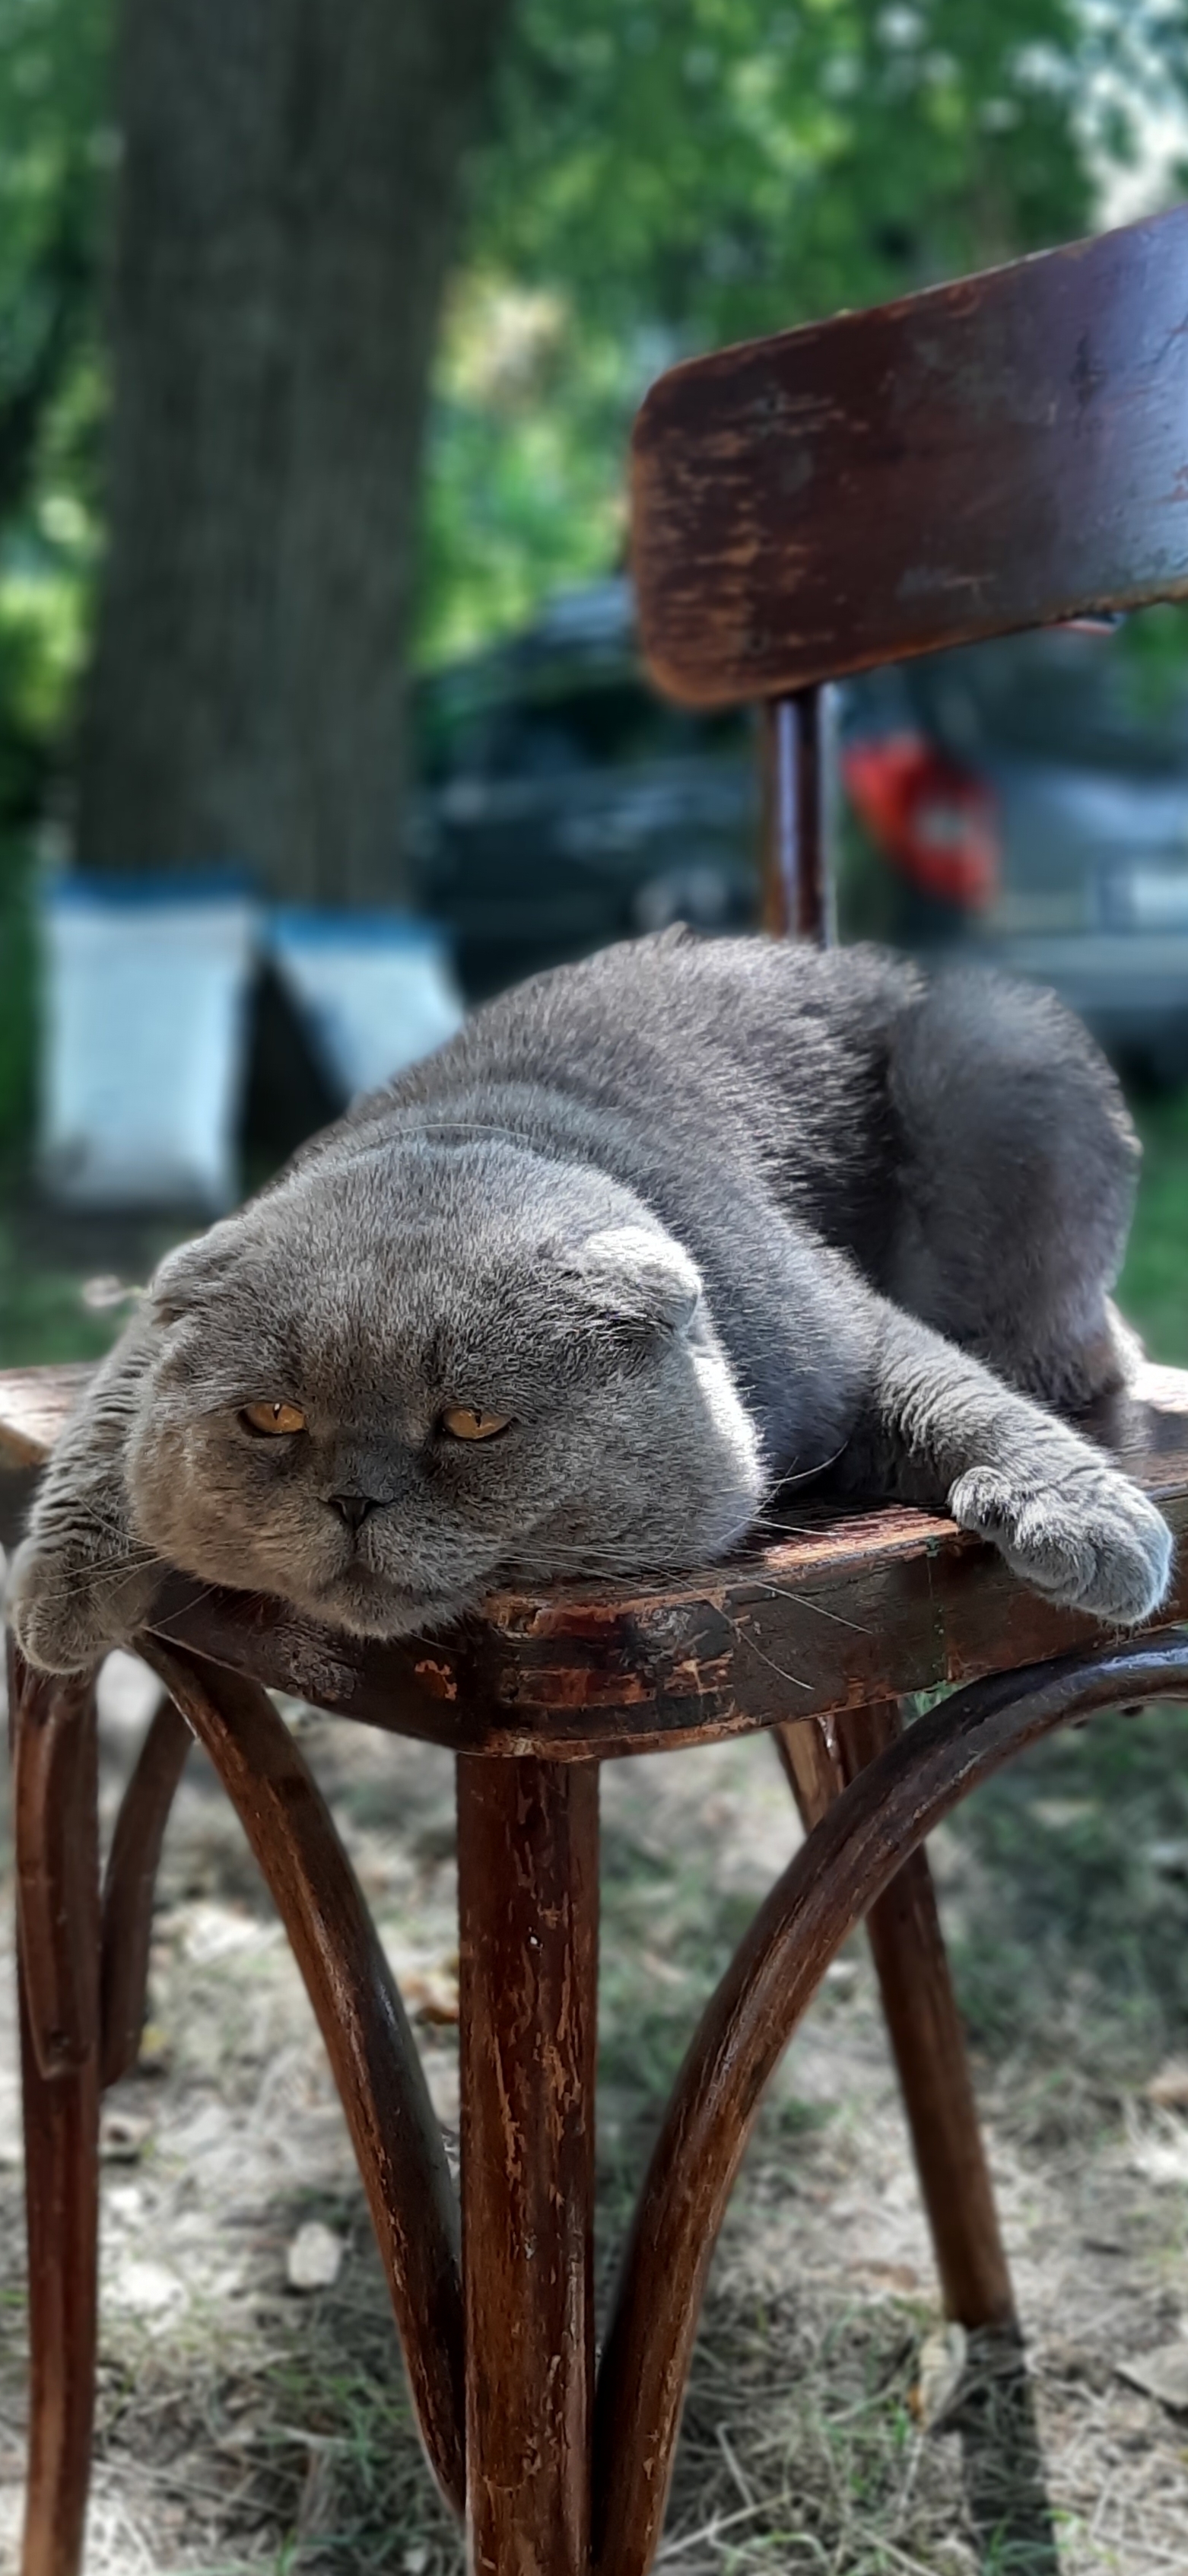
pixel 55 155
pixel 720 167
pixel 55 152
pixel 525 489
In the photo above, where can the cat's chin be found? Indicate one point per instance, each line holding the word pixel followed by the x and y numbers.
pixel 365 1605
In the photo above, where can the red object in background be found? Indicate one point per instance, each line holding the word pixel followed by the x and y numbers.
pixel 935 822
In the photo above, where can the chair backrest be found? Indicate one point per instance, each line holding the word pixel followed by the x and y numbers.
pixel 1007 452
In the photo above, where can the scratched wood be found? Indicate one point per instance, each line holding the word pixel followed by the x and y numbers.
pixel 528 1937
pixel 997 454
pixel 852 1606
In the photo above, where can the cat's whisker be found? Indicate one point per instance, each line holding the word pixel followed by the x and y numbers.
pixel 204 1592
pixel 805 1601
pixel 95 1524
pixel 745 1639
pixel 587 1560
pixel 774 1530
pixel 112 1569
pixel 821 1468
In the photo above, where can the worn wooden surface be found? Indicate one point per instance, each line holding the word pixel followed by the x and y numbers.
pixel 528 1900
pixel 57 1850
pixel 923 2024
pixel 129 1883
pixel 996 454
pixel 853 1606
pixel 372 2053
pixel 840 1871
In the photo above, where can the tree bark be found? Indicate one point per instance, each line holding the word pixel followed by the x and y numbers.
pixel 289 188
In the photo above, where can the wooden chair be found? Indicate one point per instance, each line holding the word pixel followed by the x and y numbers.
pixel 998 454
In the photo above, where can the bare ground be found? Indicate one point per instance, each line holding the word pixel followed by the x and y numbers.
pixel 244 2424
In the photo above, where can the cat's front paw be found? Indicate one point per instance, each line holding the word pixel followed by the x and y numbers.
pixel 1086 1537
pixel 67 1610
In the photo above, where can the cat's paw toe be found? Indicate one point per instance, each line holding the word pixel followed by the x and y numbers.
pixel 1090 1540
pixel 66 1617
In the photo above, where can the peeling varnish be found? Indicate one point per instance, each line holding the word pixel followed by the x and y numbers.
pixel 440 1681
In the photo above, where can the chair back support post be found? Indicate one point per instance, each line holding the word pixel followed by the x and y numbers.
pixel 797 896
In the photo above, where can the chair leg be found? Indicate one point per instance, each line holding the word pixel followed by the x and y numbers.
pixel 924 2028
pixel 129 1884
pixel 55 1799
pixel 528 1890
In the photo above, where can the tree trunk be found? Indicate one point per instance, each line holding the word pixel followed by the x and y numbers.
pixel 286 217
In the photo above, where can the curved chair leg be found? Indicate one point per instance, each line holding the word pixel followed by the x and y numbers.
pixel 924 2027
pixel 129 1883
pixel 55 1800
pixel 372 2053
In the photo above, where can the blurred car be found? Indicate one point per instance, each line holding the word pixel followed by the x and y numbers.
pixel 560 803
pixel 1014 801
pixel 1041 824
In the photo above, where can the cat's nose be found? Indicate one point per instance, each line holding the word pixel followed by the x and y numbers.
pixel 353 1508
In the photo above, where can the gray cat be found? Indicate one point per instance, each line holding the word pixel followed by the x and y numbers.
pixel 653 1234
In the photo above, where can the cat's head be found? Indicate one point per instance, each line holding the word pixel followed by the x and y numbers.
pixel 400 1378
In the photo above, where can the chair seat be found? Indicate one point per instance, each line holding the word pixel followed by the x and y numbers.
pixel 848 1606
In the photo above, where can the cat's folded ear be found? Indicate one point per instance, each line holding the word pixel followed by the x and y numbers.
pixel 637 1284
pixel 193 1272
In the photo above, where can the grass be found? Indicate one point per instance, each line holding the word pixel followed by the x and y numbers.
pixel 43 1317
pixel 1153 1290
pixel 1067 1879
pixel 47 1261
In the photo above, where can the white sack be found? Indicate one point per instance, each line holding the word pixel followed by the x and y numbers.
pixel 375 989
pixel 147 992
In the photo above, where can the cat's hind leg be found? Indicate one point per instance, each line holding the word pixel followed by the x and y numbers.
pixel 1019 1165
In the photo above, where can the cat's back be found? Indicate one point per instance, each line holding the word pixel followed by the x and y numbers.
pixel 746 1027
pixel 707 1074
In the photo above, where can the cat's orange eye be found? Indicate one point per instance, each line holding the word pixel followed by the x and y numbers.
pixel 470 1422
pixel 275 1419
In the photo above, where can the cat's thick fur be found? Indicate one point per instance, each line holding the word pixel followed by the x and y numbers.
pixel 696 1217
